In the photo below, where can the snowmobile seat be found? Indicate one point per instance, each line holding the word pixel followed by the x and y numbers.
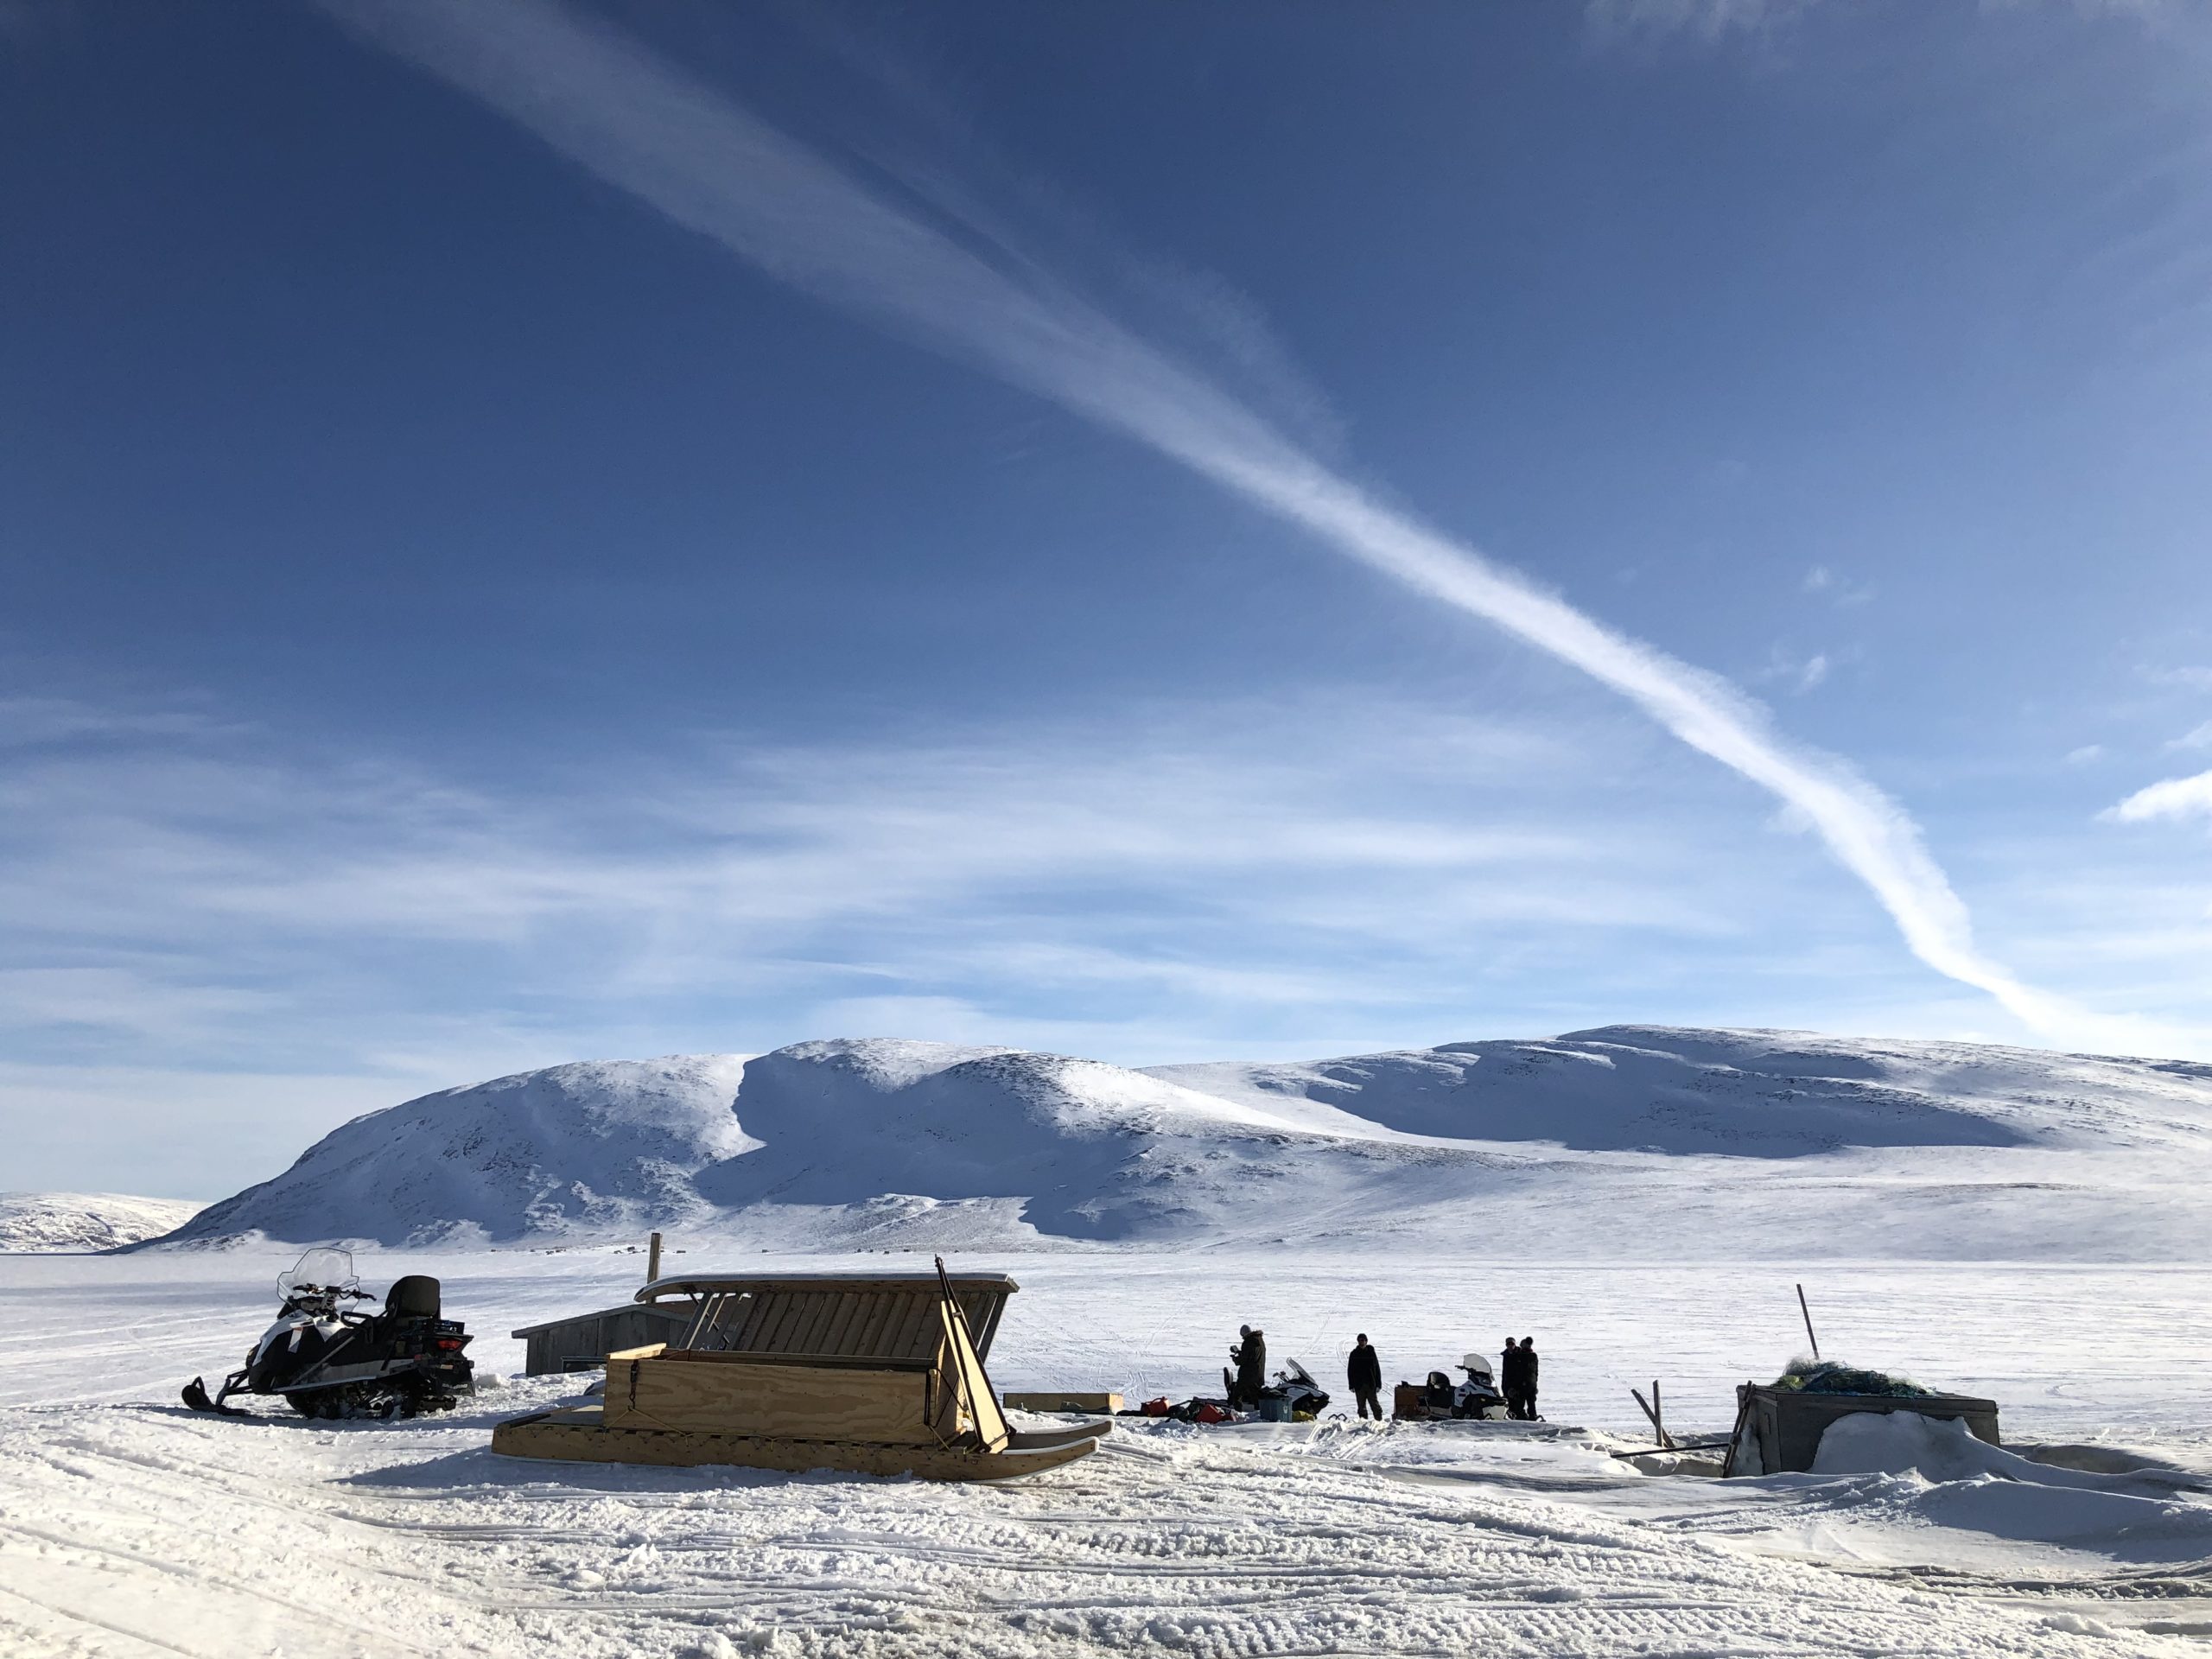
pixel 414 1296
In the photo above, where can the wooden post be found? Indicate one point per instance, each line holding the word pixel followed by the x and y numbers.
pixel 1652 1412
pixel 1807 1312
pixel 653 1259
pixel 1659 1415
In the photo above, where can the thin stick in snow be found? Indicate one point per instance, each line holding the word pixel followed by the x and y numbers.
pixel 1807 1312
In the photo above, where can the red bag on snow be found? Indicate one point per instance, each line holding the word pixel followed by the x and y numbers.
pixel 1155 1408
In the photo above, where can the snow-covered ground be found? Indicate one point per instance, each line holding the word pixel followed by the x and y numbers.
pixel 131 1527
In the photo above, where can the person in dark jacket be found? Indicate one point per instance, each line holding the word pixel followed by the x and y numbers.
pixel 1250 1355
pixel 1364 1374
pixel 1512 1381
pixel 1528 1379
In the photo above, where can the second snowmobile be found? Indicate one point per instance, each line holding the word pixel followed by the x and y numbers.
pixel 1293 1394
pixel 329 1360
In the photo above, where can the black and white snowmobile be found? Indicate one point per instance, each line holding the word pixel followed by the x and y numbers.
pixel 1292 1396
pixel 328 1360
pixel 1478 1395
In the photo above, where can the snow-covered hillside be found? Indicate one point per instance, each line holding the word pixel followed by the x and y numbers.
pixel 85 1221
pixel 1624 1140
pixel 598 1147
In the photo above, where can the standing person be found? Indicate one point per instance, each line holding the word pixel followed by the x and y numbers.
pixel 1364 1374
pixel 1528 1378
pixel 1509 1379
pixel 1251 1358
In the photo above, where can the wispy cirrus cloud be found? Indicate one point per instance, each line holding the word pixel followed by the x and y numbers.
pixel 963 284
pixel 2174 798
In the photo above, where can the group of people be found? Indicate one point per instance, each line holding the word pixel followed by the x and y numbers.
pixel 1517 1378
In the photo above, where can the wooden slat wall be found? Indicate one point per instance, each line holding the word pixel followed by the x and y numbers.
pixel 850 1319
pixel 899 1322
pixel 673 1392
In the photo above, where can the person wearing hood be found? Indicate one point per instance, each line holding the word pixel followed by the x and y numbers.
pixel 1363 1375
pixel 1250 1357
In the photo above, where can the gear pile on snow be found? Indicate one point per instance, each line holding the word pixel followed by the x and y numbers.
pixel 1831 1376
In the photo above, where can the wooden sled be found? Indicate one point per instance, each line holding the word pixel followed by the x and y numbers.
pixel 583 1435
pixel 881 1378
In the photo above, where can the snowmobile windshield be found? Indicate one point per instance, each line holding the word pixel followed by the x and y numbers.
pixel 322 1270
pixel 1297 1373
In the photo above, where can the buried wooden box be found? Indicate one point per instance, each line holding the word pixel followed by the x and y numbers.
pixel 1779 1430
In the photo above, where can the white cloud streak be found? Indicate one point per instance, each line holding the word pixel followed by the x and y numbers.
pixel 962 289
pixel 2176 799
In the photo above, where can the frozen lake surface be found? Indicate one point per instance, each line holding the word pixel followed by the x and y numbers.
pixel 131 1527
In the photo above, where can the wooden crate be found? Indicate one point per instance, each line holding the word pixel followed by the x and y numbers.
pixel 1065 1399
pixel 1785 1425
pixel 755 1394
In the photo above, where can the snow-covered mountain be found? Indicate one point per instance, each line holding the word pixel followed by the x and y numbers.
pixel 1621 1141
pixel 598 1147
pixel 85 1221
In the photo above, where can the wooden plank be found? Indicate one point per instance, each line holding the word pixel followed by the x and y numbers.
pixel 813 1335
pixel 844 1316
pixel 584 1436
pixel 875 1335
pixel 1065 1399
pixel 681 1391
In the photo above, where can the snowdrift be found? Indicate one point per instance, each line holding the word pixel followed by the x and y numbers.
pixel 1624 1140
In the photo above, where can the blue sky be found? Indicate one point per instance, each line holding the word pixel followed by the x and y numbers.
pixel 533 533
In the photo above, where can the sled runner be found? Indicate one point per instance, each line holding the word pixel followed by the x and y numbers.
pixel 881 1376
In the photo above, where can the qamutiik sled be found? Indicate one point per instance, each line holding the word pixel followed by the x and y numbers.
pixel 802 1371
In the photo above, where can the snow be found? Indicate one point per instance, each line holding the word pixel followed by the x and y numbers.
pixel 86 1221
pixel 130 1527
pixel 1598 1145
pixel 601 1147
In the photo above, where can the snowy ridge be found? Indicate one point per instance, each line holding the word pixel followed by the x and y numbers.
pixel 1623 1140
pixel 86 1221
pixel 594 1147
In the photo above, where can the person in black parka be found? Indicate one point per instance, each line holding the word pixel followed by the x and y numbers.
pixel 1528 1379
pixel 1512 1381
pixel 1251 1358
pixel 1364 1374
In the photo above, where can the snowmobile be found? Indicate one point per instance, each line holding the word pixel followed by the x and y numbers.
pixel 1293 1394
pixel 1440 1397
pixel 328 1360
pixel 1479 1396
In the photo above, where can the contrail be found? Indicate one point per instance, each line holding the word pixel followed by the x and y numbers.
pixel 607 103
